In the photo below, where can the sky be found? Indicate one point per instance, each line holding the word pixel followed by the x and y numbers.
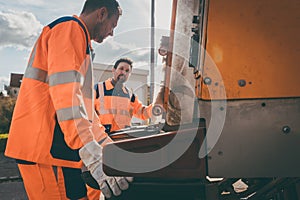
pixel 21 22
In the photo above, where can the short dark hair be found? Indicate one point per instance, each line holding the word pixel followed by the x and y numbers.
pixel 126 60
pixel 111 5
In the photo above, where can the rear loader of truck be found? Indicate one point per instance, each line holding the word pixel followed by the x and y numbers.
pixel 232 99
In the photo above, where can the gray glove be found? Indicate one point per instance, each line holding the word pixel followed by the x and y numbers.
pixel 91 155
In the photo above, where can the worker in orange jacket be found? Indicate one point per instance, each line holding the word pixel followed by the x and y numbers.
pixel 115 104
pixel 55 129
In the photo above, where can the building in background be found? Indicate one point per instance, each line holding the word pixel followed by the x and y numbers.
pixel 14 85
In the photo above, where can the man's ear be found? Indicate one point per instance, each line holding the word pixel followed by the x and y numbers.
pixel 102 14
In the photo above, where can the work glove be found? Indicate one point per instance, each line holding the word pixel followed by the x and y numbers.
pixel 91 155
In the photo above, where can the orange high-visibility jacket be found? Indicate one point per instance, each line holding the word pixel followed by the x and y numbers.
pixel 54 114
pixel 116 108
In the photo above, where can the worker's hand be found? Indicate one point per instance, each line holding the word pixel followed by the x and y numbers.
pixel 91 155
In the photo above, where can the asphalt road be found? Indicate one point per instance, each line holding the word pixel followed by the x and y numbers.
pixel 11 185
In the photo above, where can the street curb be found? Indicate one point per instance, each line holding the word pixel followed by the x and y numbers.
pixel 11 179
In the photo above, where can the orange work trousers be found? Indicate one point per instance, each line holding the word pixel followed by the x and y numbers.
pixel 43 182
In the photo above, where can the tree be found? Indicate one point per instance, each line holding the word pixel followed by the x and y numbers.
pixel 6 109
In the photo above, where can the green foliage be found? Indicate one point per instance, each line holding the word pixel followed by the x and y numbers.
pixel 6 109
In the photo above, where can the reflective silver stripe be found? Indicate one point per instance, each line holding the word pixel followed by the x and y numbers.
pixel 65 77
pixel 87 88
pixel 124 112
pixel 114 112
pixel 35 73
pixel 101 98
pixel 71 113
pixel 108 111
pixel 32 56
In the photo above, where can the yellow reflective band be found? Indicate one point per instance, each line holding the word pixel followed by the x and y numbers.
pixel 75 112
pixel 65 77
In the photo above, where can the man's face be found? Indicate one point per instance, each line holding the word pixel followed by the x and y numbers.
pixel 105 26
pixel 122 73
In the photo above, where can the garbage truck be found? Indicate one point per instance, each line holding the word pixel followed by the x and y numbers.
pixel 230 101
